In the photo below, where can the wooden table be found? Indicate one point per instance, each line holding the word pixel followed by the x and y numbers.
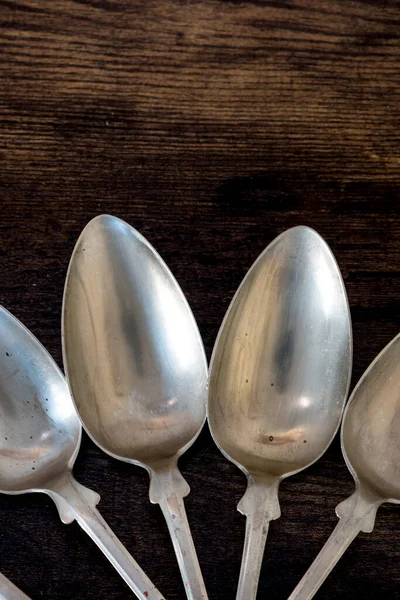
pixel 211 126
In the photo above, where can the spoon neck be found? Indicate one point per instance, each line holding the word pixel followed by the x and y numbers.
pixel 168 488
pixel 71 497
pixel 260 504
pixel 260 500
pixel 165 481
pixel 76 502
pixel 356 513
pixel 360 508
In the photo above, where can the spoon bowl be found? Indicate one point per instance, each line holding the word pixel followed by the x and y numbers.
pixel 40 435
pixel 279 376
pixel 136 366
pixel 133 355
pixel 40 432
pixel 370 443
pixel 371 427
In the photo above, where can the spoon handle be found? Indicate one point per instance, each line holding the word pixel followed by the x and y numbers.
pixel 356 514
pixel 76 502
pixel 9 591
pixel 168 490
pixel 260 505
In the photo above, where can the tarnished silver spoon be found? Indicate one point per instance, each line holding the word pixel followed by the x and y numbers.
pixel 279 377
pixel 40 435
pixel 371 448
pixel 136 366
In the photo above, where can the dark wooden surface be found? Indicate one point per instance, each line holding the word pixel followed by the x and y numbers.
pixel 210 126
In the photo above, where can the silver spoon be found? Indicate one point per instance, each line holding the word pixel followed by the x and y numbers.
pixel 40 435
pixel 279 377
pixel 136 366
pixel 8 591
pixel 370 440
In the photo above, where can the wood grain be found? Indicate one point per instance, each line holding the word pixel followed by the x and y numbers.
pixel 210 126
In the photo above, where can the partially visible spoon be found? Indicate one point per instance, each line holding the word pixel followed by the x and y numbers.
pixel 370 440
pixel 9 591
pixel 279 377
pixel 40 435
pixel 136 366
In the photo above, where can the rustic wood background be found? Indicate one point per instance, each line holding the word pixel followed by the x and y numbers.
pixel 211 126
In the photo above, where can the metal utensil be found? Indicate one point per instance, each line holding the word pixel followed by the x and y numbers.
pixel 370 439
pixel 40 435
pixel 136 366
pixel 279 377
pixel 9 591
